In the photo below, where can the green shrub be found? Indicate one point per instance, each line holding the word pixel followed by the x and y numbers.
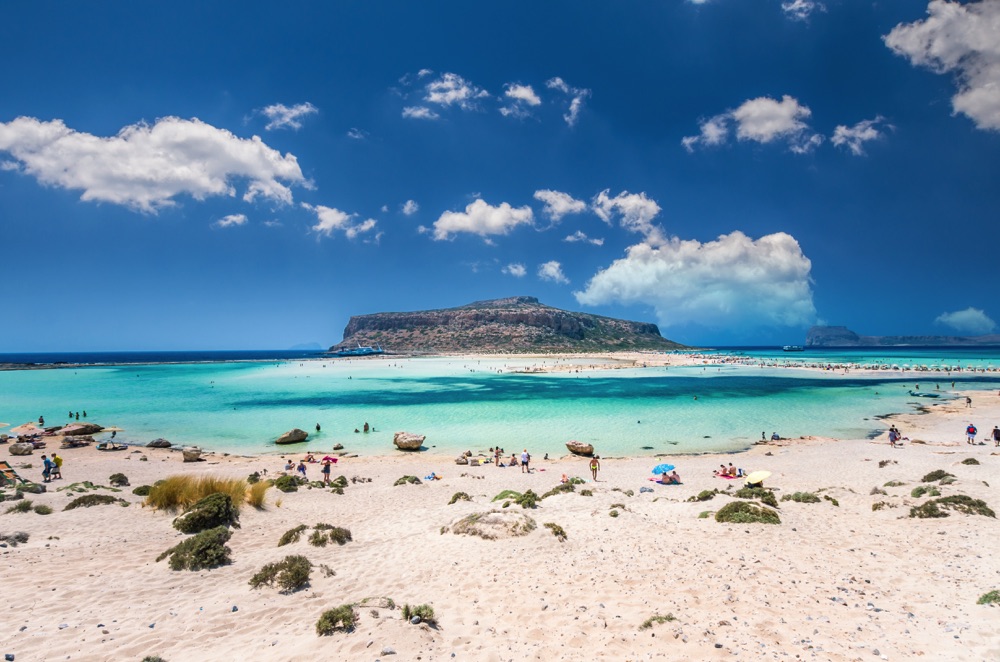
pixel 253 478
pixel 561 488
pixel 203 550
pixel 613 513
pixel 557 531
pixel 970 460
pixel 425 612
pixel 342 617
pixel 705 514
pixel 412 480
pixel 649 622
pixel 153 658
pixel 287 483
pixel 43 510
pixel 802 497
pixel 575 480
pixel 765 496
pixel 459 496
pixel 947 480
pixel 831 500
pixel 878 490
pixel 14 539
pixel 958 502
pixel 744 512
pixel 921 490
pixel 507 494
pixel 23 506
pixel 937 474
pixel 527 500
pixel 879 505
pixel 212 511
pixel 290 574
pixel 993 597
pixel 142 490
pixel 339 481
pixel 704 495
pixel 894 483
pixel 118 480
pixel 586 492
pixel 291 535
pixel 88 500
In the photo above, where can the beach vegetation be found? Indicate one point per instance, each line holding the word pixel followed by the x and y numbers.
pixel 327 570
pixel 43 509
pixel 936 475
pixel 153 658
pixel 507 495
pixel 528 500
pixel 342 617
pixel 586 492
pixel 991 598
pixel 323 533
pixel 412 480
pixel 118 480
pixel 884 463
pixel 424 612
pixel 704 495
pixel 253 478
pixel 459 496
pixel 142 490
pixel 287 483
pixel 212 511
pixel 180 492
pixel 255 494
pixel 765 496
pixel 705 514
pixel 290 574
pixel 878 490
pixel 894 483
pixel 656 620
pixel 561 488
pixel 802 497
pixel 88 500
pixel 613 513
pixel 744 512
pixel 831 500
pixel 14 539
pixel 23 506
pixel 947 480
pixel 576 480
pixel 492 525
pixel 627 493
pixel 556 530
pixel 879 505
pixel 203 550
pixel 922 490
pixel 340 481
pixel 292 535
pixel 970 460
pixel 958 502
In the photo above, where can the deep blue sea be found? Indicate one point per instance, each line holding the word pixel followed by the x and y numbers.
pixel 241 401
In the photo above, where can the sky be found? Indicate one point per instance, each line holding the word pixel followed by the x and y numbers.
pixel 193 175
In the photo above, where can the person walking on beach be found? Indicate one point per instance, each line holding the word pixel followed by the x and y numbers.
pixel 47 466
pixel 996 435
pixel 525 458
pixel 326 472
pixel 57 469
pixel 595 466
pixel 970 434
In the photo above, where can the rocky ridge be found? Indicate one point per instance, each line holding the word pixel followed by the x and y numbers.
pixel 841 336
pixel 511 325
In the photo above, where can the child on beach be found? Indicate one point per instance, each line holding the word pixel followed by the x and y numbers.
pixel 302 469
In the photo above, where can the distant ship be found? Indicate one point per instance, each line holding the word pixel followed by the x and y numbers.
pixel 360 351
pixel 793 348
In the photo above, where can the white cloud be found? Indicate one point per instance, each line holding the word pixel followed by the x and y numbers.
pixel 763 120
pixel 10 166
pixel 964 39
pixel 971 320
pixel 145 167
pixel 522 98
pixel 410 207
pixel 515 269
pixel 285 117
pixel 552 271
pixel 577 95
pixel 330 220
pixel 801 10
pixel 731 281
pixel 580 236
pixel 230 221
pixel 453 90
pixel 482 219
pixel 357 134
pixel 419 113
pixel 855 137
pixel 635 211
pixel 558 204
pixel 273 223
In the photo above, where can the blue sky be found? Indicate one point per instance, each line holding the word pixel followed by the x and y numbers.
pixel 248 175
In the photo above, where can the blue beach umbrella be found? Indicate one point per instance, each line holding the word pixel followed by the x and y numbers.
pixel 663 468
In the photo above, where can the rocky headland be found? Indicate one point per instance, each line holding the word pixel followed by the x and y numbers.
pixel 841 336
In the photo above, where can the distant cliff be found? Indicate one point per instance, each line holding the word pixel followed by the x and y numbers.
pixel 841 336
pixel 512 325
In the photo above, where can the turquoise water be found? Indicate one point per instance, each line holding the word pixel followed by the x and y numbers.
pixel 459 405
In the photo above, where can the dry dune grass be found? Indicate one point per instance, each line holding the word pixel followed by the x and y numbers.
pixel 180 492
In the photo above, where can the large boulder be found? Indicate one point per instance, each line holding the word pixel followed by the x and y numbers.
pixel 461 459
pixel 22 448
pixel 580 448
pixel 408 441
pixel 78 429
pixel 159 443
pixel 191 453
pixel 293 436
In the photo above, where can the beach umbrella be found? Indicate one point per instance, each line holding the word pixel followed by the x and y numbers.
pixel 663 468
pixel 757 477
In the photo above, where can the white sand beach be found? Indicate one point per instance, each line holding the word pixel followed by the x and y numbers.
pixel 831 582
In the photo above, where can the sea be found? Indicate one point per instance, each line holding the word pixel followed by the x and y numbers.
pixel 239 402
